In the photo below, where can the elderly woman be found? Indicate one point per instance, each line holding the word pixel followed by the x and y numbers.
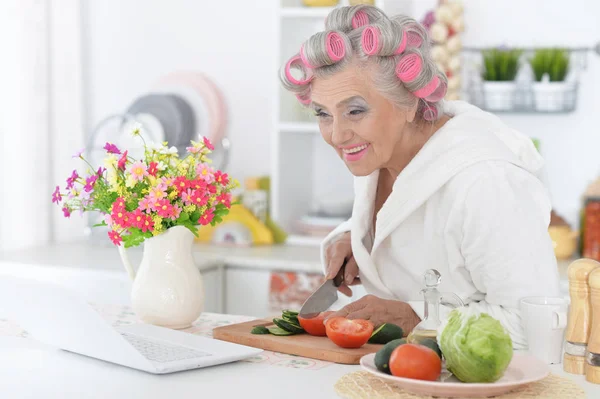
pixel 438 184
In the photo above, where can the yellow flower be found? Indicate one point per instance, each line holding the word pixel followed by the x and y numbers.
pixel 182 168
pixel 113 181
pixel 122 191
pixel 152 180
pixel 131 181
pixel 173 194
pixel 189 208
pixel 110 162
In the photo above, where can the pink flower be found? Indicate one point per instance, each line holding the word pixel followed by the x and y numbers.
pixel 198 184
pixel 208 144
pixel 137 218
pixel 174 212
pixel 108 220
pixel 192 150
pixel 111 148
pixel 212 189
pixel 66 212
pixel 100 171
pixel 157 192
pixel 225 199
pixel 56 196
pixel 164 208
pixel 148 224
pixel 153 168
pixel 205 173
pixel 71 180
pixel 182 184
pixel 89 183
pixel 119 204
pixel 122 161
pixel 115 237
pixel 138 170
pixel 221 178
pixel 145 204
pixel 199 199
pixel 207 217
pixel 187 195
pixel 78 153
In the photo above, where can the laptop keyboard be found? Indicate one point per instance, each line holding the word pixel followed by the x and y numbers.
pixel 162 352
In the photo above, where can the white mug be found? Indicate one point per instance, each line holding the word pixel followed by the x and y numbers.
pixel 545 320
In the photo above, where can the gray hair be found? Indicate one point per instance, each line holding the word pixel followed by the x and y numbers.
pixel 344 25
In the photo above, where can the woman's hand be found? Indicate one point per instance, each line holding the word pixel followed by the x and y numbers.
pixel 379 311
pixel 335 254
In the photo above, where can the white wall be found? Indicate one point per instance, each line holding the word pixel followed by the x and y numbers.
pixel 128 45
pixel 568 142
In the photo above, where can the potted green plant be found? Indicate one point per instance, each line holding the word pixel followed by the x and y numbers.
pixel 550 89
pixel 500 67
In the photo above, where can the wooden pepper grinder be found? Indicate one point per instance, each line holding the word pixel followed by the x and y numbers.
pixel 580 315
pixel 592 354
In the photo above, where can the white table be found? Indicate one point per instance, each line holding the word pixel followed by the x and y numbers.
pixel 29 369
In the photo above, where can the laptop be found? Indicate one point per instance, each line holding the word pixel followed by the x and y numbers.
pixel 60 318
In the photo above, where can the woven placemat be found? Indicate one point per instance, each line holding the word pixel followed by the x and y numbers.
pixel 364 385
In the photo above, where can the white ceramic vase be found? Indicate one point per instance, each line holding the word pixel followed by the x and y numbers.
pixel 499 96
pixel 168 289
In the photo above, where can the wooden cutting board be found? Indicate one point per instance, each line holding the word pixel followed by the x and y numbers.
pixel 302 344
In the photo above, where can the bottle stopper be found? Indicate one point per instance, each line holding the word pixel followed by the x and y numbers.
pixel 592 354
pixel 580 315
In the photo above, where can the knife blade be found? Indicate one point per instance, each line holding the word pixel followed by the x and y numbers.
pixel 325 296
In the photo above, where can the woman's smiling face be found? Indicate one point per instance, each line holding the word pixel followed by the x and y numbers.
pixel 362 125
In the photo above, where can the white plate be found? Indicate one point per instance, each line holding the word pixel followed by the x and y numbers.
pixel 522 370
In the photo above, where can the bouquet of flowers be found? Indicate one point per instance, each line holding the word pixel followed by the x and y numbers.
pixel 142 198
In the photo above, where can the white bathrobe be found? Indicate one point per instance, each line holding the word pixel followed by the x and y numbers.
pixel 472 205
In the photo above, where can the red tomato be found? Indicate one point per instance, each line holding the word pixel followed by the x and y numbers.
pixel 314 326
pixel 415 361
pixel 348 333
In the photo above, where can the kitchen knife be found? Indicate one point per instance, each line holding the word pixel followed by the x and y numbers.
pixel 324 296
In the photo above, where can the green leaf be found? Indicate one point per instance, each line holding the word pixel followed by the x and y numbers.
pixel 195 216
pixel 184 216
pixel 100 224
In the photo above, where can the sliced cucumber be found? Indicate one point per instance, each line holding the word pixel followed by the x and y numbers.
pixel 279 331
pixel 286 325
pixel 260 330
pixel 290 313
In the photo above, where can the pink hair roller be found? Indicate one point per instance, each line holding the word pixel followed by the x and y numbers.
pixel 304 58
pixel 288 74
pixel 370 40
pixel 403 43
pixel 336 49
pixel 430 114
pixel 359 19
pixel 409 67
pixel 438 94
pixel 304 98
pixel 414 39
pixel 428 89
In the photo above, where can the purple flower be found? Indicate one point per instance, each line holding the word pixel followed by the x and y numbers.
pixel 78 153
pixel 71 180
pixel 56 197
pixel 429 19
pixel 100 171
pixel 89 183
pixel 66 212
pixel 111 148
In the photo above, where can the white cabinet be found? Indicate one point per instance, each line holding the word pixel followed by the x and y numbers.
pixel 213 290
pixel 247 291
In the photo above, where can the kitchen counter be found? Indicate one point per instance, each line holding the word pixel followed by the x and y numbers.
pixel 30 369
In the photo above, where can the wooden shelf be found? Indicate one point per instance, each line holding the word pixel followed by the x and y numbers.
pixel 305 12
pixel 299 127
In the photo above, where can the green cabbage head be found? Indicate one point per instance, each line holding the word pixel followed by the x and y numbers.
pixel 476 346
